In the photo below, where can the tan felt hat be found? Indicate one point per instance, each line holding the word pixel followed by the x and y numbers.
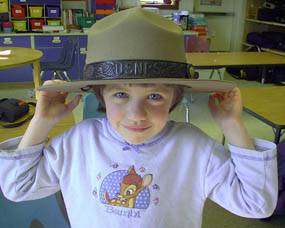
pixel 137 46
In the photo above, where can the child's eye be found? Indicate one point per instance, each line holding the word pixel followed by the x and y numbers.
pixel 155 97
pixel 121 95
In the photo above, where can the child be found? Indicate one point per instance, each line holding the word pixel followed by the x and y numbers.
pixel 135 168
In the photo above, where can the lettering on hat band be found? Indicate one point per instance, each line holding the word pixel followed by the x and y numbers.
pixel 136 69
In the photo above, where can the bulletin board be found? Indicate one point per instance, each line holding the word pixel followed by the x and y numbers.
pixel 214 6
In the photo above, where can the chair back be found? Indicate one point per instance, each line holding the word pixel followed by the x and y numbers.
pixel 66 59
pixel 69 51
pixel 90 106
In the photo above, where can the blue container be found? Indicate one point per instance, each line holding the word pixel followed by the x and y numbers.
pixel 8 30
pixel 53 11
pixel 176 17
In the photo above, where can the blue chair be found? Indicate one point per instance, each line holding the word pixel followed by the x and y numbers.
pixel 90 106
pixel 46 212
pixel 64 63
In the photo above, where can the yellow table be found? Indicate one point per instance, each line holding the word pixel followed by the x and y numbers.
pixel 216 60
pixel 19 57
pixel 266 104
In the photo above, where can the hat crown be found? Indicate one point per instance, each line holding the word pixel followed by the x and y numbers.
pixel 135 34
pixel 136 46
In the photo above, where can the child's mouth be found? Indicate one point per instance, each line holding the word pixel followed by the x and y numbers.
pixel 136 128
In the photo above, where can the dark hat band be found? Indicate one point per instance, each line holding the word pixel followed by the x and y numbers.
pixel 135 69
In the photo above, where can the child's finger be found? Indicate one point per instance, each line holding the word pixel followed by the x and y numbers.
pixel 62 96
pixel 212 103
pixel 218 97
pixel 73 103
pixel 50 82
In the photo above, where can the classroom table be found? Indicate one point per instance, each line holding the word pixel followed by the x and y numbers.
pixel 217 60
pixel 18 57
pixel 266 104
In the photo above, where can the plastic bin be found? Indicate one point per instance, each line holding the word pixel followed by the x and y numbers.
pixel 104 12
pixel 86 22
pixel 105 2
pixel 105 6
pixel 37 24
pixel 7 26
pixel 53 11
pixel 8 30
pixel 36 11
pixel 20 25
pixel 4 6
pixel 18 11
pixel 4 17
pixel 53 22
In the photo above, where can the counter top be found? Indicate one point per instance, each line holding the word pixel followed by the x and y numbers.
pixel 188 32
pixel 45 34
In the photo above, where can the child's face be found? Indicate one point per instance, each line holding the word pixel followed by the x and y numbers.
pixel 138 112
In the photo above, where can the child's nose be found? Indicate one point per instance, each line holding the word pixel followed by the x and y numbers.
pixel 137 111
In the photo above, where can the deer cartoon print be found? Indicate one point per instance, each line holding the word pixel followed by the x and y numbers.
pixel 130 185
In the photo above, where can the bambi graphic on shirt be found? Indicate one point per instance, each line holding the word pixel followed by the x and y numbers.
pixel 126 188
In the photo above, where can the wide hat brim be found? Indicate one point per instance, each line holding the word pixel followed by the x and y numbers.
pixel 194 85
pixel 135 46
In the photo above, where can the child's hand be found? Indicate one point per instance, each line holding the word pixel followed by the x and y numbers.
pixel 226 107
pixel 52 107
pixel 226 110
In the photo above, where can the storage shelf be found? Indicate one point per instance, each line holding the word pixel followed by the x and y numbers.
pixel 275 51
pixel 254 25
pixel 265 22
pixel 43 18
pixel 52 17
pixel 24 18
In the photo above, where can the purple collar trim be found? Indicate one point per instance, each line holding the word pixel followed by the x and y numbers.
pixel 137 147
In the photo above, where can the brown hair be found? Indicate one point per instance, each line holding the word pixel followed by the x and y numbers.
pixel 178 93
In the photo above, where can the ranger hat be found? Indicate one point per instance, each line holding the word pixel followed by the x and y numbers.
pixel 137 46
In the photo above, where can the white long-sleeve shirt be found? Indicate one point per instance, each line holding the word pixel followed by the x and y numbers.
pixel 164 182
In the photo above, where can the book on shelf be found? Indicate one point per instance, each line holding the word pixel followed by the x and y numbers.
pixel 69 16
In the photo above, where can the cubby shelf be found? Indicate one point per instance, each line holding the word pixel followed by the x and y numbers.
pixel 31 16
pixel 252 24
pixel 265 22
pixel 275 51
